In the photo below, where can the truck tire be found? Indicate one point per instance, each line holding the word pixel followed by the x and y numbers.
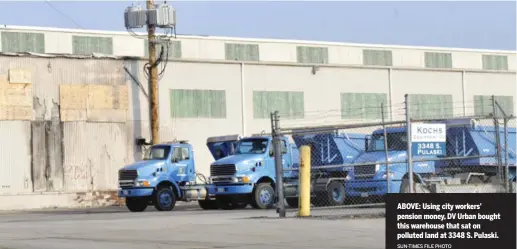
pixel 164 199
pixel 292 202
pixel 208 204
pixel 136 204
pixel 263 196
pixel 336 193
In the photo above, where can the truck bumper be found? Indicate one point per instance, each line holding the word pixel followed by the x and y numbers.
pixel 230 189
pixel 135 192
pixel 371 188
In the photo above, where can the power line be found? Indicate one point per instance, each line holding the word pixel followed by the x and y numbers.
pixel 63 14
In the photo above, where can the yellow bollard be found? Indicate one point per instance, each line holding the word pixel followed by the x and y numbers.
pixel 304 185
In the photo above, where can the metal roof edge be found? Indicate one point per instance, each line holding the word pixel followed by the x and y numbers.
pixel 259 40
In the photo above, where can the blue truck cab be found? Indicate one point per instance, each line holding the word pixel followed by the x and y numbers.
pixel 166 174
pixel 244 170
pixel 369 179
pixel 331 154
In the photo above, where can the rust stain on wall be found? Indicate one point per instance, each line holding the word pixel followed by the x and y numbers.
pixel 47 152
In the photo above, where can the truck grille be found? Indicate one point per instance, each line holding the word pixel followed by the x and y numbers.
pixel 126 178
pixel 223 170
pixel 364 172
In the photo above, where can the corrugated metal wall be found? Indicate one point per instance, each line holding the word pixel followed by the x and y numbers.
pixel 46 154
pixel 86 113
pixel 15 157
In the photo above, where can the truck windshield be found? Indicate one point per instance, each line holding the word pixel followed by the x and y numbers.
pixel 396 141
pixel 251 146
pixel 157 153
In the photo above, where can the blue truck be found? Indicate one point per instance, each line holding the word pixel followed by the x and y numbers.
pixel 464 138
pixel 475 168
pixel 331 153
pixel 244 170
pixel 243 173
pixel 370 178
pixel 166 175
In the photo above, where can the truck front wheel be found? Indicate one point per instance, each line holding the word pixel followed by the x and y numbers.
pixel 164 199
pixel 136 204
pixel 263 196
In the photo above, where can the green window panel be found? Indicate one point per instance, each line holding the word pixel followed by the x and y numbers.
pixel 16 42
pixel 86 45
pixel 189 103
pixel 173 49
pixel 483 105
pixel 241 52
pixel 431 106
pixel 495 62
pixel 363 105
pixel 290 105
pixel 438 60
pixel 312 55
pixel 377 57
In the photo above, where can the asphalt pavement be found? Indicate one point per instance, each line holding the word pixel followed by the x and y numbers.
pixel 188 227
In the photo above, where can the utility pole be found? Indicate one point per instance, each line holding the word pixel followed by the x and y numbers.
pixel 160 16
pixel 153 79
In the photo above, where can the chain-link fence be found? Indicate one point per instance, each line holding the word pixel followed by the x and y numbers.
pixel 354 165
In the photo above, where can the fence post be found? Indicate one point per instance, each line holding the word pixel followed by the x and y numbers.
pixel 506 157
pixel 497 141
pixel 409 152
pixel 279 183
pixel 388 177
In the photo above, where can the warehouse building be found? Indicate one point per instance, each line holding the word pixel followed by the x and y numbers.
pixel 73 101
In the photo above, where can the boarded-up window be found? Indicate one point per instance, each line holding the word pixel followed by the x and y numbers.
pixel 377 57
pixel 290 105
pixel 438 60
pixel 483 105
pixel 17 42
pixel 495 62
pixel 431 106
pixel 191 103
pixel 312 55
pixel 242 52
pixel 86 45
pixel 363 105
pixel 173 48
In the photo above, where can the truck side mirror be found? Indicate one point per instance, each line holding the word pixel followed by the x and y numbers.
pixel 365 144
pixel 271 153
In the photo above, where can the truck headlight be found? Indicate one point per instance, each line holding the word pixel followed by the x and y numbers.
pixel 243 179
pixel 142 184
pixel 377 167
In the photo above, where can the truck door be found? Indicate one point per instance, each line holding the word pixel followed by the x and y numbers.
pixel 182 164
pixel 287 163
pixel 286 158
pixel 222 146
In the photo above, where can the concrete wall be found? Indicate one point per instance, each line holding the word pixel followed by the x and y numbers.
pixel 68 150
